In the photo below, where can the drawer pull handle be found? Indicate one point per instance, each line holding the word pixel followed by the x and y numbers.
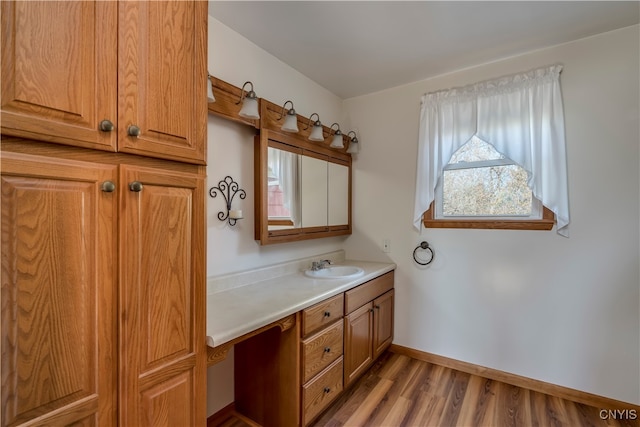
pixel 327 390
pixel 108 187
pixel 327 314
pixel 327 349
pixel 135 186
pixel 134 131
pixel 106 125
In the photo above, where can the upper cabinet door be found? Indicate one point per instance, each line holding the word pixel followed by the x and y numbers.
pixel 162 79
pixel 58 71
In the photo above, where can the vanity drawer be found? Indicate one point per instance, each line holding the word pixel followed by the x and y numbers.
pixel 321 349
pixel 360 295
pixel 319 393
pixel 322 314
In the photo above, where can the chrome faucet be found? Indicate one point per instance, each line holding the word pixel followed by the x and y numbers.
pixel 319 265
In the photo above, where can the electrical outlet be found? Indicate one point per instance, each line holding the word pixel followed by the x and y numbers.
pixel 386 245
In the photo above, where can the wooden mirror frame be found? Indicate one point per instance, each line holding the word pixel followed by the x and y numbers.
pixel 270 138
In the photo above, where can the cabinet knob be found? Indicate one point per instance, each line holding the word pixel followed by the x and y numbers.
pixel 327 349
pixel 371 310
pixel 134 131
pixel 327 314
pixel 135 186
pixel 108 187
pixel 327 390
pixel 106 126
pixel 377 307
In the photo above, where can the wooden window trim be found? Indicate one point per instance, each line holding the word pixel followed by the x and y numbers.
pixel 545 223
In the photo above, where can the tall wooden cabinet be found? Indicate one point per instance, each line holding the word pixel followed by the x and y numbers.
pixel 118 76
pixel 103 225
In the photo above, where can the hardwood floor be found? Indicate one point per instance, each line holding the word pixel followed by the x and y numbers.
pixel 401 391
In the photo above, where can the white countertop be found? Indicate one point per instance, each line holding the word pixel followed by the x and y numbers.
pixel 234 312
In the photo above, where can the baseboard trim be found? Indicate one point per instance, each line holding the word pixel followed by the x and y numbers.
pixel 517 380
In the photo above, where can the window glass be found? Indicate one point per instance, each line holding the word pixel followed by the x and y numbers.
pixel 481 182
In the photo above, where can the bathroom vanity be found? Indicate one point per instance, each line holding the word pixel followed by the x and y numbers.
pixel 299 341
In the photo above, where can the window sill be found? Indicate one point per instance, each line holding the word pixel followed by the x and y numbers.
pixel 545 223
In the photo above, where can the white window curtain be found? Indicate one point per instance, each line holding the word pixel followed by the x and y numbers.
pixel 520 115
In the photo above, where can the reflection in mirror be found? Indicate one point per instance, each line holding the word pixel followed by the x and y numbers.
pixel 283 189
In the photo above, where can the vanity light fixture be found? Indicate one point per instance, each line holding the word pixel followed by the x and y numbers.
pixel 354 146
pixel 317 133
pixel 291 121
pixel 249 108
pixel 210 97
pixel 337 138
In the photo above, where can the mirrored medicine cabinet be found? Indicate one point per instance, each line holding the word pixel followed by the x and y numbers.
pixel 302 191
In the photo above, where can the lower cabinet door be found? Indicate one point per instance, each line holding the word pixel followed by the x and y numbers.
pixel 59 360
pixel 382 323
pixel 162 291
pixel 358 350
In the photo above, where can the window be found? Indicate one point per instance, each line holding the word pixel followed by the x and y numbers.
pixel 485 149
pixel 482 188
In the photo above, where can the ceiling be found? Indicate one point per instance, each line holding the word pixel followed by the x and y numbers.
pixel 353 48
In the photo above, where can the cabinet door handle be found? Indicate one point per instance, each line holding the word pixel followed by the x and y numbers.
pixel 135 186
pixel 327 390
pixel 327 314
pixel 134 131
pixel 108 187
pixel 371 310
pixel 378 307
pixel 106 126
pixel 327 349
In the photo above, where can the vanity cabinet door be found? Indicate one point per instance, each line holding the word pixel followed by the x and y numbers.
pixel 59 292
pixel 382 323
pixel 368 329
pixel 162 284
pixel 358 350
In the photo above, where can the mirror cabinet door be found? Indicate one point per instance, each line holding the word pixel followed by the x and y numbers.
pixel 338 194
pixel 313 191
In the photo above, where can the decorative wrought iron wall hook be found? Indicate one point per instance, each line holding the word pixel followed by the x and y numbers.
pixel 228 188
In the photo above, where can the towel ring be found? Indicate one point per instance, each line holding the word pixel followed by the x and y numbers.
pixel 423 245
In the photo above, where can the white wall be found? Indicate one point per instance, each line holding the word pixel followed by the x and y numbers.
pixel 235 60
pixel 533 303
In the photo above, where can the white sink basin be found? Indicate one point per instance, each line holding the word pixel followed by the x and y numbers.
pixel 336 272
